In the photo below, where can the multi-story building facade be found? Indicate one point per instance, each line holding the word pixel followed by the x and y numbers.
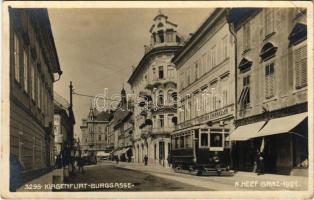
pixel 63 124
pixel 33 63
pixel 271 88
pixel 205 68
pixel 154 79
pixel 123 129
pixel 94 130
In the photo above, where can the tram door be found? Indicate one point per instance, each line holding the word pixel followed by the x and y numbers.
pixel 196 135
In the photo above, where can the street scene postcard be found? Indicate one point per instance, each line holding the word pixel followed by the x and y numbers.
pixel 157 100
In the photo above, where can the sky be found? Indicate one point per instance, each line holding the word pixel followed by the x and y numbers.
pixel 97 47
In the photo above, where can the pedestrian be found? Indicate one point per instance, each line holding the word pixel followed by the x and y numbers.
pixel 117 159
pixel 145 159
pixel 169 159
pixel 80 163
pixel 259 162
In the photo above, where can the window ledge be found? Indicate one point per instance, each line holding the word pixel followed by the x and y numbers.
pixel 269 36
pixel 245 51
pixel 295 91
pixel 275 98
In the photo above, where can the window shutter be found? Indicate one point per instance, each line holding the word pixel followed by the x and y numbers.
pixel 266 82
pixel 300 67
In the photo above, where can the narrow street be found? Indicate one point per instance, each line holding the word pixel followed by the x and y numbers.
pixel 149 178
pixel 108 172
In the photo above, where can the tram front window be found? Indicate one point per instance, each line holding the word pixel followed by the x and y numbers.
pixel 216 140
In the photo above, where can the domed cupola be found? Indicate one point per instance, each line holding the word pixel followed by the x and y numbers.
pixel 163 32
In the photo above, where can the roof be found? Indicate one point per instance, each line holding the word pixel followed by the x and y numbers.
pixel 103 116
pixel 238 15
pixel 120 116
pixel 60 100
pixel 199 33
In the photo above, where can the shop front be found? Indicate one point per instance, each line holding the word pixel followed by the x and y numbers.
pixel 283 143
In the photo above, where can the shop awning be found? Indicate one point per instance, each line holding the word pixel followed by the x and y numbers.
pixel 282 125
pixel 246 132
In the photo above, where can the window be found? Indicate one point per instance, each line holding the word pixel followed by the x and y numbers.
pixel 196 71
pixel 227 141
pixel 300 65
pixel 161 72
pixel 216 139
pixel 246 36
pixel 38 91
pixel 225 47
pixel 269 21
pixel 204 63
pixel 155 151
pixel 244 98
pixel 16 58
pixel 25 64
pixel 269 81
pixel 99 137
pixel 161 36
pixel 160 101
pixel 213 57
pixel 188 141
pixel 181 141
pixel 204 139
pixel 169 36
pixel 170 123
pixel 33 81
pixel 161 121
pixel 171 72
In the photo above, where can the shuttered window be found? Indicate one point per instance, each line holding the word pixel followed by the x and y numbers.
pixel 269 81
pixel 25 63
pixel 300 61
pixel 16 58
pixel 33 81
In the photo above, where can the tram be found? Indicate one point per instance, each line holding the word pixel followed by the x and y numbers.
pixel 201 151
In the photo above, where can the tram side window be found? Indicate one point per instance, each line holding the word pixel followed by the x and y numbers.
pixel 188 141
pixel 176 142
pixel 204 139
pixel 182 142
pixel 173 143
pixel 216 140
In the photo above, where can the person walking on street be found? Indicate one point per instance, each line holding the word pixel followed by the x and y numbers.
pixel 259 162
pixel 80 163
pixel 145 159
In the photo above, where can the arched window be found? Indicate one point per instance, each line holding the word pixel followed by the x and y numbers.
pixel 298 34
pixel 160 98
pixel 268 51
pixel 245 65
pixel 160 25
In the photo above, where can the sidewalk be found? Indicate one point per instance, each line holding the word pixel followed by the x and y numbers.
pixel 38 184
pixel 240 180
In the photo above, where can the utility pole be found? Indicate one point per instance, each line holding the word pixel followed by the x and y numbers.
pixel 71 94
pixel 71 114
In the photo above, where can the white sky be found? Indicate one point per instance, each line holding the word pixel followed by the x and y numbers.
pixel 96 47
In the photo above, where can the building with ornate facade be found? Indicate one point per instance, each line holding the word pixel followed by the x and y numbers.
pixel 154 80
pixel 33 64
pixel 94 130
pixel 271 115
pixel 121 127
pixel 206 77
